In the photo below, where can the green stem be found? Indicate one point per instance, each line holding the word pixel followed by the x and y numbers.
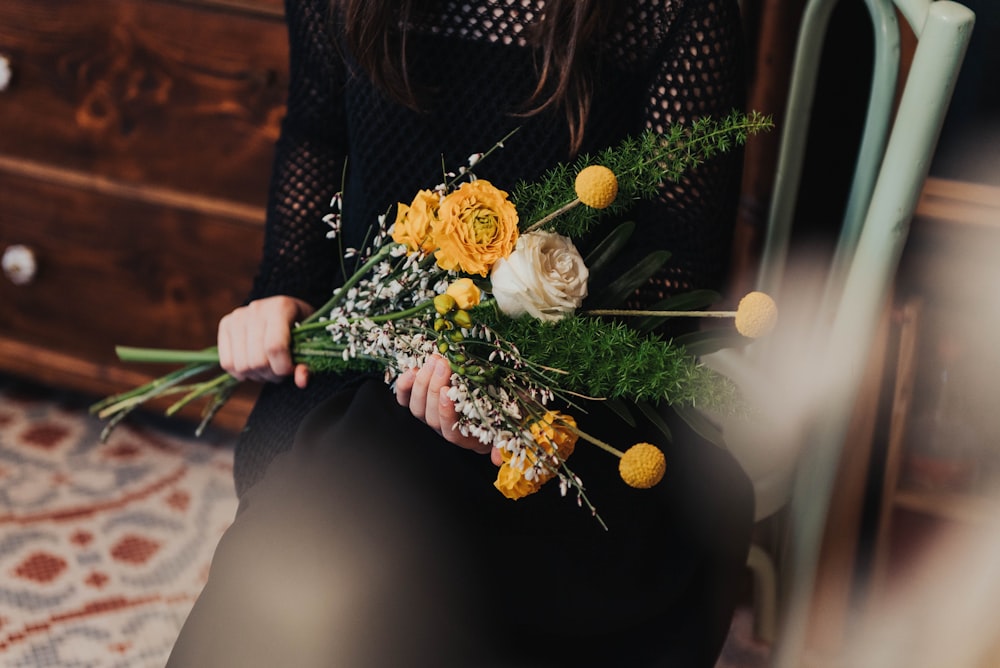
pixel 341 292
pixel 662 314
pixel 406 313
pixel 131 354
pixel 385 317
pixel 750 123
pixel 607 447
pixel 145 392
pixel 200 390
pixel 555 214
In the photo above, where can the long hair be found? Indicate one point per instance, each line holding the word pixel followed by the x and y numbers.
pixel 565 40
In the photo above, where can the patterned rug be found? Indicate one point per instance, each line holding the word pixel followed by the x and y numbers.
pixel 105 546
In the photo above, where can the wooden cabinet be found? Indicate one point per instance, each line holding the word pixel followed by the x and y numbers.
pixel 136 140
pixel 942 459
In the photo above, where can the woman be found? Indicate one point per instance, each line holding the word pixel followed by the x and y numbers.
pixel 370 541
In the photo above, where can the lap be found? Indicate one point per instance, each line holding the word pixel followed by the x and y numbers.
pixel 374 535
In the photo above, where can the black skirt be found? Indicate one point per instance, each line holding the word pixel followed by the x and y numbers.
pixel 372 542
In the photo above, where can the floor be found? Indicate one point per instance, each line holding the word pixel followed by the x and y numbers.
pixel 104 546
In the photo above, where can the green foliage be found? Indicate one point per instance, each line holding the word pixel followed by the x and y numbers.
pixel 601 358
pixel 641 164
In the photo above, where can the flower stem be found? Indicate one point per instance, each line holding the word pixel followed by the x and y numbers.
pixel 200 390
pixel 130 354
pixel 555 214
pixel 607 447
pixel 663 314
pixel 341 292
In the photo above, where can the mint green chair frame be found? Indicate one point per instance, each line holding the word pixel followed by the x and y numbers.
pixel 893 160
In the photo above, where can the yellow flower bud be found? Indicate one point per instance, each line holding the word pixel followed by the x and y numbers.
pixel 463 319
pixel 465 292
pixel 444 303
pixel 756 315
pixel 596 186
pixel 642 466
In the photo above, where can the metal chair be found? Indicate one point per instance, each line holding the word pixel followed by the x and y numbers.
pixel 897 144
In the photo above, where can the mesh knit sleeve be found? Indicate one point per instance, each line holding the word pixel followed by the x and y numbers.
pixel 298 259
pixel 698 71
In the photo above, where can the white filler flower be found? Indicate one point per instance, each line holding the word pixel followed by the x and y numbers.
pixel 544 276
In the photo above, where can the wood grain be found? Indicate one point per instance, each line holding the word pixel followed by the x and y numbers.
pixel 176 95
pixel 118 271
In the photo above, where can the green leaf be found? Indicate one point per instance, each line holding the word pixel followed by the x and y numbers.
pixel 650 413
pixel 609 248
pixel 629 281
pixel 620 408
pixel 700 424
pixel 708 341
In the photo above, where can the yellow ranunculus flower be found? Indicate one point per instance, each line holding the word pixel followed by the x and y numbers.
pixel 511 483
pixel 555 429
pixel 475 227
pixel 555 432
pixel 465 293
pixel 414 222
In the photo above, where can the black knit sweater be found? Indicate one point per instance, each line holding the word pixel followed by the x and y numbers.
pixel 662 62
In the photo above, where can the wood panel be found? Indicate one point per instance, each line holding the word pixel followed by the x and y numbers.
pixel 265 7
pixel 57 368
pixel 119 271
pixel 179 95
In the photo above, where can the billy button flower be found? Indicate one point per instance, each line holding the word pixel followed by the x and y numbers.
pixel 642 466
pixel 596 186
pixel 755 315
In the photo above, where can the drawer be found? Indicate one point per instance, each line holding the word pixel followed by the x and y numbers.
pixel 181 95
pixel 115 270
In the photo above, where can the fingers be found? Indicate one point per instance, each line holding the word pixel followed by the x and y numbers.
pixel 254 341
pixel 425 393
pixel 448 417
pixel 301 375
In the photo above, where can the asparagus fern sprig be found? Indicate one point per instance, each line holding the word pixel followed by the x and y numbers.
pixel 641 163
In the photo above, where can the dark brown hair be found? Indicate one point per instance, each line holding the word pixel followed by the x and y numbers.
pixel 566 41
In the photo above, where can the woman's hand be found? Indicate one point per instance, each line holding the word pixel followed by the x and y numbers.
pixel 425 393
pixel 255 340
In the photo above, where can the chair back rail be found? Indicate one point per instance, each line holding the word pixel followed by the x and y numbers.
pixel 943 29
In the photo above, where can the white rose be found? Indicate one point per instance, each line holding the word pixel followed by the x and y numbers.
pixel 544 276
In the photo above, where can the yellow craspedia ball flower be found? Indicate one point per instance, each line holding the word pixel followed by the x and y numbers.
pixel 597 186
pixel 642 466
pixel 756 315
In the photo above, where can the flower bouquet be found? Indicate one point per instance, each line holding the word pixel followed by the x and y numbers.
pixel 494 283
